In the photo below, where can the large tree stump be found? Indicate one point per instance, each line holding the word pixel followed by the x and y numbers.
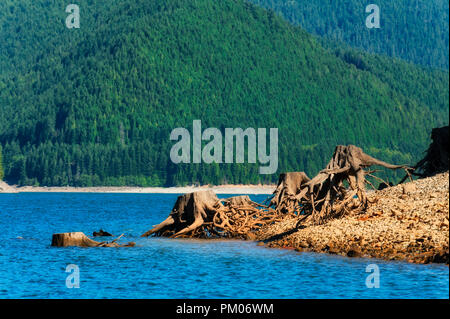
pixel 81 240
pixel 336 190
pixel 289 186
pixel 189 212
pixel 203 215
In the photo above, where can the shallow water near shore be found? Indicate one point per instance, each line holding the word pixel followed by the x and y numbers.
pixel 167 268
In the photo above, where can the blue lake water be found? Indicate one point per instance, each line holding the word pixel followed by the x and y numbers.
pixel 168 268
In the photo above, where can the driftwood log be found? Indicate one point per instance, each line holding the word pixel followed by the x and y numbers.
pixel 203 215
pixel 338 189
pixel 81 240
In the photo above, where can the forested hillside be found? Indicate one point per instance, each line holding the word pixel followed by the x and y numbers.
pixel 414 30
pixel 96 105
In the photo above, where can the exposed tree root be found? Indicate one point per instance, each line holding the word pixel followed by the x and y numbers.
pixel 203 215
pixel 289 186
pixel 189 212
pixel 101 233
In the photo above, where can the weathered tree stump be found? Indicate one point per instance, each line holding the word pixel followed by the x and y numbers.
pixel 203 215
pixel 73 239
pixel 81 240
pixel 289 186
pixel 336 190
pixel 101 233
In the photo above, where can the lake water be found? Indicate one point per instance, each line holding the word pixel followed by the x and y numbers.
pixel 168 268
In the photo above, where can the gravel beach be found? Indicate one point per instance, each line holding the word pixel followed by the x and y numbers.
pixel 405 222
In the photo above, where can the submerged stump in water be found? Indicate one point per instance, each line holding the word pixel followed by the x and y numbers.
pixel 289 186
pixel 81 240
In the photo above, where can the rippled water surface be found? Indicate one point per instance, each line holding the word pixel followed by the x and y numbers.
pixel 164 268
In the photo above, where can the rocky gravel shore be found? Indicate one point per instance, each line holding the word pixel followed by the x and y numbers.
pixel 406 222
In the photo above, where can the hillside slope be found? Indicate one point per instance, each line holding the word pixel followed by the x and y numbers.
pixel 415 30
pixel 97 105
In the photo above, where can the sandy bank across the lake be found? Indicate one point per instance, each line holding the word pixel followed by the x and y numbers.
pixel 222 189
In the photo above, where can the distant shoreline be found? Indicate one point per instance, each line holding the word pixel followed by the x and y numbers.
pixel 220 189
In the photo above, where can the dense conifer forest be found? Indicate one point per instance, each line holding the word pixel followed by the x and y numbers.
pixel 96 105
pixel 413 30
